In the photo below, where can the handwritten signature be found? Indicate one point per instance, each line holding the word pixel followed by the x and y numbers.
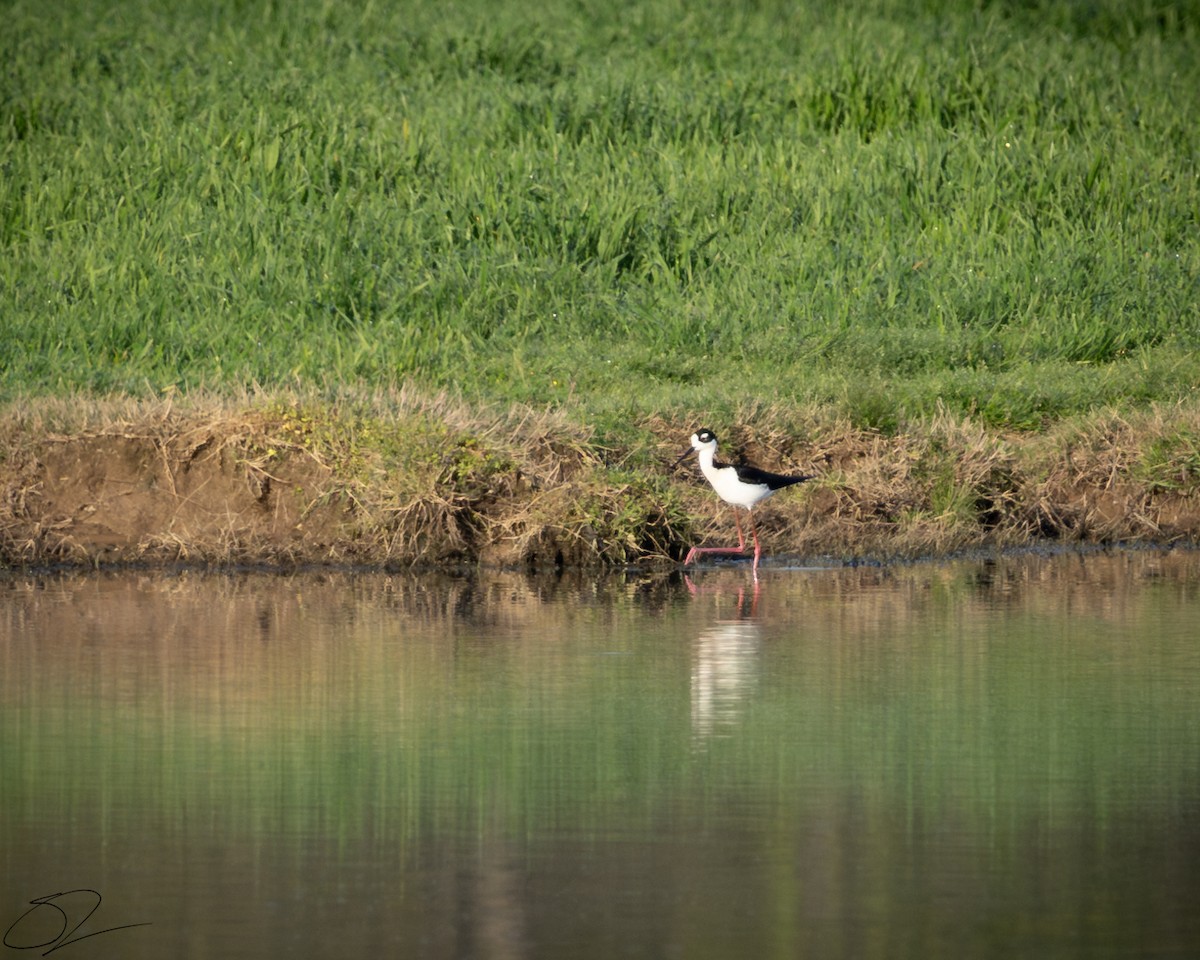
pixel 14 939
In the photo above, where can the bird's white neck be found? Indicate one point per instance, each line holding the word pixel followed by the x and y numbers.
pixel 706 456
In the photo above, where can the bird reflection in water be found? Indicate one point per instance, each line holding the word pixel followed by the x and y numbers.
pixel 725 661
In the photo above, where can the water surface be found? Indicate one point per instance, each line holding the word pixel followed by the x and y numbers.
pixel 986 759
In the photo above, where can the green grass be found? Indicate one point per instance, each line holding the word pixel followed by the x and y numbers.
pixel 888 207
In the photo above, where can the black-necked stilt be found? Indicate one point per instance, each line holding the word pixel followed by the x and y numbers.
pixel 739 484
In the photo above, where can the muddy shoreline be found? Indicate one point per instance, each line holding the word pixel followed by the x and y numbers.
pixel 431 484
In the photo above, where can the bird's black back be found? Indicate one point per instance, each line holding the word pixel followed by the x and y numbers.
pixel 773 481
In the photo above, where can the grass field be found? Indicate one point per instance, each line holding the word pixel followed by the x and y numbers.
pixel 887 208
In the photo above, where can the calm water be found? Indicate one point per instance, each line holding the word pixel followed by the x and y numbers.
pixel 967 760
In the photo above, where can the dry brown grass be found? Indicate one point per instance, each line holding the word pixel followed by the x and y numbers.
pixel 951 484
pixel 403 478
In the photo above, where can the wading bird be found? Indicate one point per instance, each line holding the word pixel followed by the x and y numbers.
pixel 739 484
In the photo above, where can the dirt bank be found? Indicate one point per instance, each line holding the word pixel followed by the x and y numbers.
pixel 426 481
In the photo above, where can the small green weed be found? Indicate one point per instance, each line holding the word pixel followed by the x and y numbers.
pixel 1170 463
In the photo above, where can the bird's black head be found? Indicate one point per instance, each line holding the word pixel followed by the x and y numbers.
pixel 700 439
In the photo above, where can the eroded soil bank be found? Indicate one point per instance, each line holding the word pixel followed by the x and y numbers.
pixel 412 480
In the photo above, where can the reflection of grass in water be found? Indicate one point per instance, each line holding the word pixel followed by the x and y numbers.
pixel 902 696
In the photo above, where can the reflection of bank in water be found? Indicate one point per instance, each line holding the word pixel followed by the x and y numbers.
pixel 724 674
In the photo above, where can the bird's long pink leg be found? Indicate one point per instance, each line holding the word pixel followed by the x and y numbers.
pixel 757 547
pixel 740 548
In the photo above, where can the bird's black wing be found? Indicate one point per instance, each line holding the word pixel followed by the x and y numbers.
pixel 773 481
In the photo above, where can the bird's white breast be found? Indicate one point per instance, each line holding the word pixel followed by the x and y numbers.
pixel 730 489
